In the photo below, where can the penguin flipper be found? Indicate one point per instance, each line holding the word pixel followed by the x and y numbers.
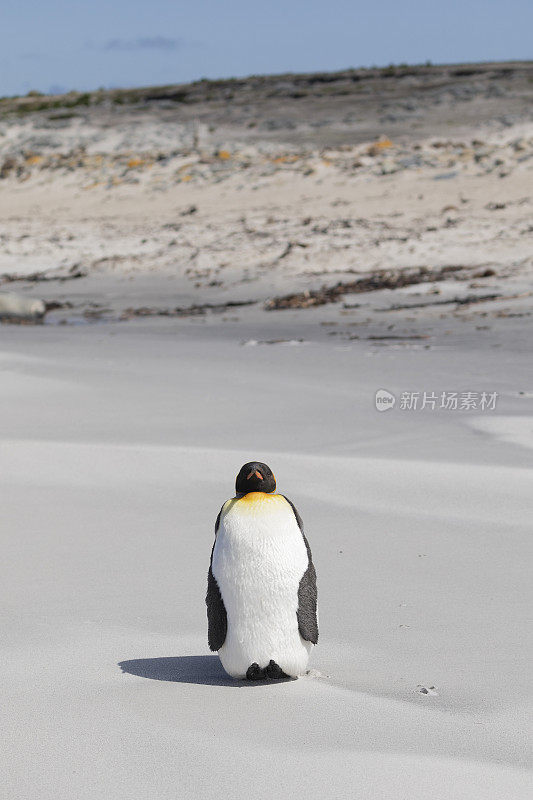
pixel 217 620
pixel 307 602
pixel 307 591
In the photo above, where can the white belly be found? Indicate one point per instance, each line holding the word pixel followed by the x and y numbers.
pixel 258 561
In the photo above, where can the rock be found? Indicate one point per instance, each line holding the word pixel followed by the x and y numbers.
pixel 8 166
pixel 17 307
pixel 485 273
pixel 378 147
pixel 519 145
pixel 389 167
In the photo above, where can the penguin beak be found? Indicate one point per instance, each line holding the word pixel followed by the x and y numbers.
pixel 256 473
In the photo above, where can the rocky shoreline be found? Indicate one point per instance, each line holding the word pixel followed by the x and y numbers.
pixel 182 202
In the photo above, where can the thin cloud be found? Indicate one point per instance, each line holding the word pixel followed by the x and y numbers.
pixel 34 56
pixel 143 43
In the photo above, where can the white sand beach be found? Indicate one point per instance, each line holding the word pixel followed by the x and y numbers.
pixel 127 414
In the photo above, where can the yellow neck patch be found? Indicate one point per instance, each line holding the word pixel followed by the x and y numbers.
pixel 257 497
pixel 254 501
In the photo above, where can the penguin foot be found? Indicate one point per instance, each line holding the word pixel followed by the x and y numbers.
pixel 274 671
pixel 255 673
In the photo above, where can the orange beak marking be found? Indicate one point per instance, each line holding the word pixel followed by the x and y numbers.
pixel 254 472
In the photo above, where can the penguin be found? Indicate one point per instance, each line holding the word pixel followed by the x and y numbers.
pixel 261 585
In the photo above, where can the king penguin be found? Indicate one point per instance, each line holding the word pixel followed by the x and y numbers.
pixel 261 586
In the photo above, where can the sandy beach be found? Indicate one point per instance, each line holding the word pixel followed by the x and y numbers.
pixel 233 272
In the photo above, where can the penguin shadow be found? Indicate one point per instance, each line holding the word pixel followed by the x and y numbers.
pixel 206 670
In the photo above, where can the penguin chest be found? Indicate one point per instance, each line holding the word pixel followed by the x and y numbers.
pixel 258 561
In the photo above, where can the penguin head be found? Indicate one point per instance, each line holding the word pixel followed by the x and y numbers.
pixel 255 477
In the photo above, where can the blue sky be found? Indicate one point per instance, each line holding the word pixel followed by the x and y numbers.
pixel 64 44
